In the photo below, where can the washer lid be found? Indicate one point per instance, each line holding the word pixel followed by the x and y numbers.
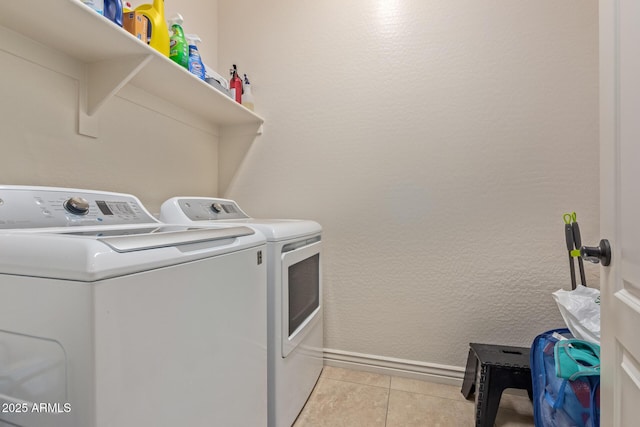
pixel 145 238
pixel 90 255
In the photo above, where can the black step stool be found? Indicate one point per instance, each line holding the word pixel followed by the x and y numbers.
pixel 490 370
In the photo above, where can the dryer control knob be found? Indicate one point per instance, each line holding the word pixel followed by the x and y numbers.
pixel 77 205
pixel 216 207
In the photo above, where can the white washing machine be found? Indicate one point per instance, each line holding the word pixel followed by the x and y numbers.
pixel 294 296
pixel 110 318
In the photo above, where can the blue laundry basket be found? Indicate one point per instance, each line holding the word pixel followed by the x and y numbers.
pixel 559 402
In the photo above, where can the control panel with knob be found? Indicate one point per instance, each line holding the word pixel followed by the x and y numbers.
pixel 36 207
pixel 77 205
pixel 200 209
pixel 216 207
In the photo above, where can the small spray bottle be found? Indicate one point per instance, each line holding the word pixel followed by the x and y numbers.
pixel 247 96
pixel 196 66
pixel 235 85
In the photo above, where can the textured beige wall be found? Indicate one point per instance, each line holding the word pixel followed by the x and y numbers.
pixel 438 143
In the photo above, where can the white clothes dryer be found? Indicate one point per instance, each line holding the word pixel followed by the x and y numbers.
pixel 110 318
pixel 294 297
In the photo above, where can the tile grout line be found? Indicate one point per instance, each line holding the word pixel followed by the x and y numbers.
pixel 399 389
pixel 434 395
pixel 386 414
pixel 355 382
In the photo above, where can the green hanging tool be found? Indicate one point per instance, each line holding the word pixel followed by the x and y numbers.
pixel 574 243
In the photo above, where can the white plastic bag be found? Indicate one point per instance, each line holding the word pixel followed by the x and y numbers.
pixel 580 309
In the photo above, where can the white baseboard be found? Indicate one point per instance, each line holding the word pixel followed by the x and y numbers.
pixel 444 374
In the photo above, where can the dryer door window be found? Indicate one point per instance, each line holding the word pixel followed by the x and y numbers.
pixel 301 294
pixel 304 290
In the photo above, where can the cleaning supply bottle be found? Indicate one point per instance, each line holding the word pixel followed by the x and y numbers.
pixel 247 96
pixel 235 85
pixel 195 62
pixel 113 11
pixel 97 5
pixel 178 47
pixel 157 27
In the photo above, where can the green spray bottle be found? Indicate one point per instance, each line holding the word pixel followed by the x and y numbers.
pixel 178 47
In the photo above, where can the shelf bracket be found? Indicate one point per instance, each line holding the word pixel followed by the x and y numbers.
pixel 103 80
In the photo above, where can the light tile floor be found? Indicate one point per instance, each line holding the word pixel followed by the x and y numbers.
pixel 349 398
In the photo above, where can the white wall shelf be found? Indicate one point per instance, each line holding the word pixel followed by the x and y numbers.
pixel 114 58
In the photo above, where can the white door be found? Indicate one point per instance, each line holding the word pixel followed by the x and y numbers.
pixel 620 210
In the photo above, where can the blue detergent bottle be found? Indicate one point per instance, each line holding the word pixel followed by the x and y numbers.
pixel 196 66
pixel 113 11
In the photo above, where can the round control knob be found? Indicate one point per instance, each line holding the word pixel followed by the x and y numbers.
pixel 77 205
pixel 216 207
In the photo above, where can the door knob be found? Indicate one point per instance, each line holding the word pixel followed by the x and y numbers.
pixel 597 254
